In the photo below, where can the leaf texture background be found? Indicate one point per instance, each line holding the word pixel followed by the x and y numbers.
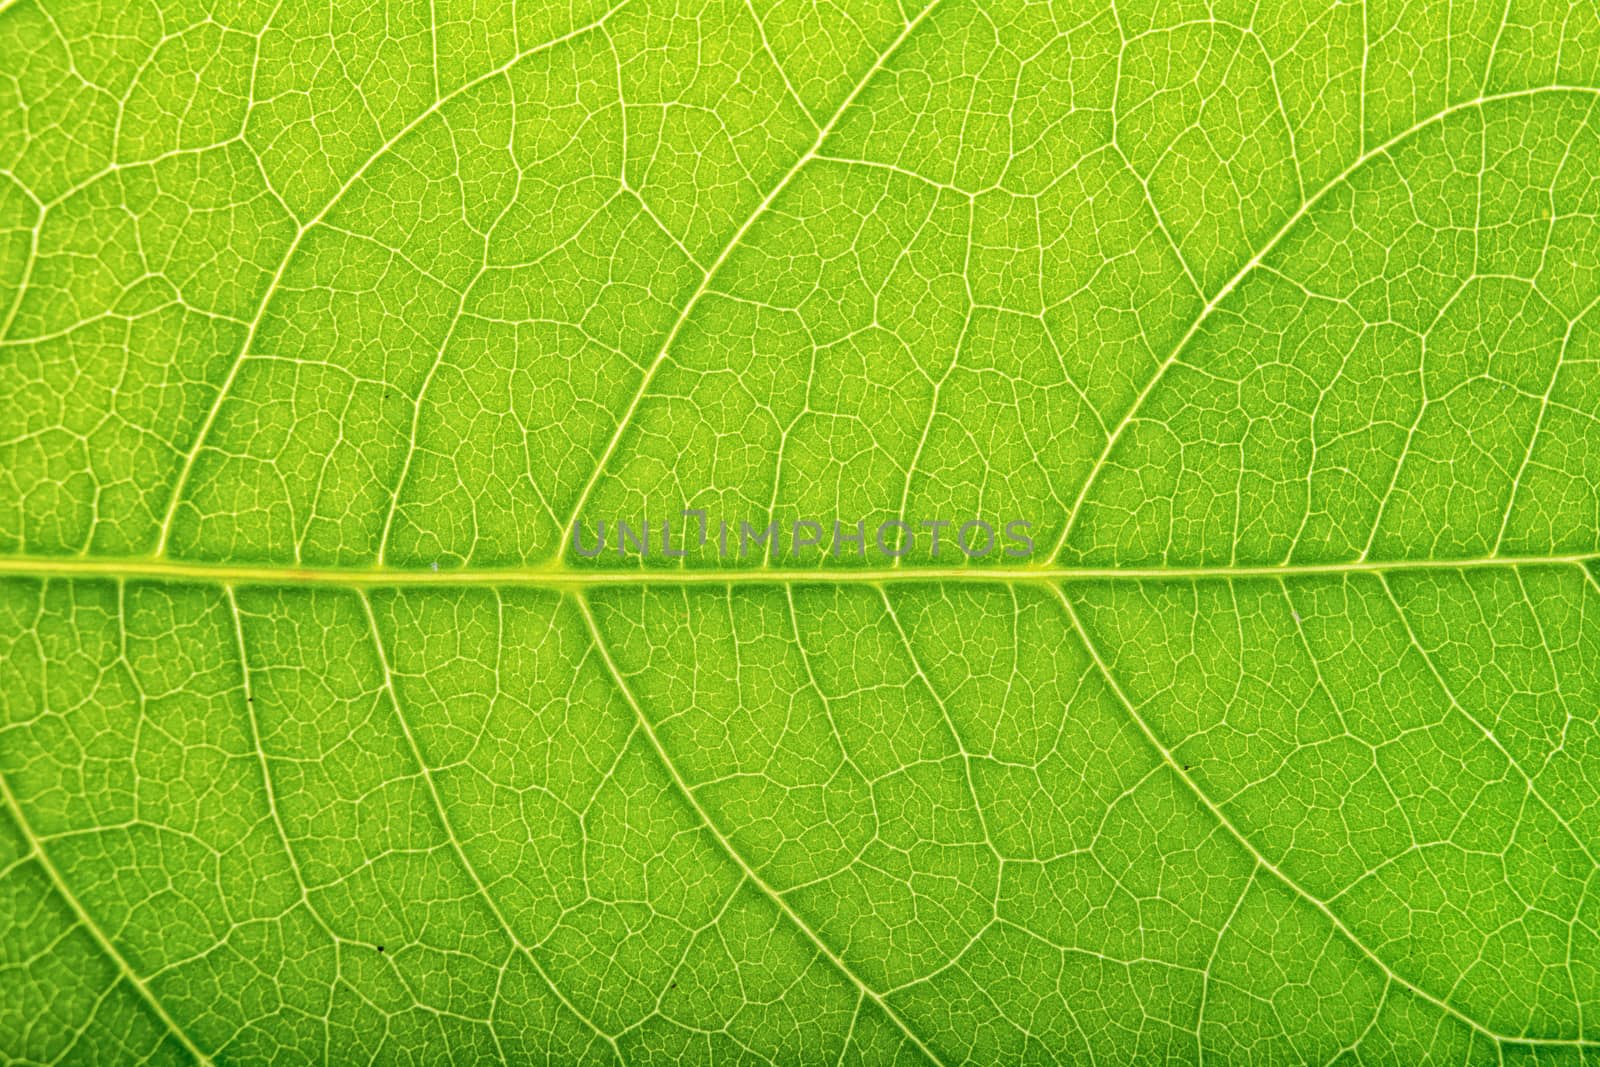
pixel 319 322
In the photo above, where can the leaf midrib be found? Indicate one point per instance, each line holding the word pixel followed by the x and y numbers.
pixel 560 577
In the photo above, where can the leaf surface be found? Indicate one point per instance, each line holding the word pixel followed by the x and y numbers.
pixel 320 326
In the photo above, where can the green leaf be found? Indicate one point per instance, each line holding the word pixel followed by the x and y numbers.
pixel 321 325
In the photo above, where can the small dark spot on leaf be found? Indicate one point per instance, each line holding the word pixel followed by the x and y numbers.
pixel 380 948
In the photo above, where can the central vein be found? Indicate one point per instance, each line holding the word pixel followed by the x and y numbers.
pixel 559 576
